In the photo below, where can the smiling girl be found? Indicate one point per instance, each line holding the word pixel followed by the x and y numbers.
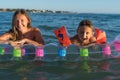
pixel 22 32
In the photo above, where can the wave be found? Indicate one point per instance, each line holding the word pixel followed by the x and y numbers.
pixel 47 27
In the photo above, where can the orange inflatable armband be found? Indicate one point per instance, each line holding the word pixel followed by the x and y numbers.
pixel 100 36
pixel 62 36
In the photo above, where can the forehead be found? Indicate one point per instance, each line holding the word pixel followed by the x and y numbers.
pixel 85 29
pixel 19 16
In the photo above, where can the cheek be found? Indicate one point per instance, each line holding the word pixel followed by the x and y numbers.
pixel 26 24
pixel 91 35
pixel 16 23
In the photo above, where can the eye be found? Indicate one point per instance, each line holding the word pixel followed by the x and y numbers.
pixel 22 20
pixel 17 21
pixel 87 32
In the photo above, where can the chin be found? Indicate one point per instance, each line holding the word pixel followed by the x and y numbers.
pixel 85 41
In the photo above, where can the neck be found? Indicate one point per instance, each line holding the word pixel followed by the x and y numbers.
pixel 25 30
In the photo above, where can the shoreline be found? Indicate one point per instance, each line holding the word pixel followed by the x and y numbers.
pixel 50 11
pixel 33 10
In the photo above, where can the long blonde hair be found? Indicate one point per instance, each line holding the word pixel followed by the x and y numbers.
pixel 14 31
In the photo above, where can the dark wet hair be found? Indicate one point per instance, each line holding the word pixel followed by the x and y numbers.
pixel 85 23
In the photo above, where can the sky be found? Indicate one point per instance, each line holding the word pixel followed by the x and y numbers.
pixel 81 6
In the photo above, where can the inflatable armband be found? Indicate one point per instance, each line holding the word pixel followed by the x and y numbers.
pixel 62 36
pixel 100 36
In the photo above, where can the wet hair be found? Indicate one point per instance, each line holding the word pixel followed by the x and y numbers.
pixel 85 23
pixel 14 30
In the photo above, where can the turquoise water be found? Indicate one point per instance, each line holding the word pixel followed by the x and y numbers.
pixel 72 67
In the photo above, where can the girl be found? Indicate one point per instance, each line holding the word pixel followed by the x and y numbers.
pixel 85 34
pixel 22 32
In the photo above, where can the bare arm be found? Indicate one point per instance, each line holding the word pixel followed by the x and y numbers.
pixel 28 41
pixel 36 41
pixel 38 37
pixel 5 38
pixel 75 40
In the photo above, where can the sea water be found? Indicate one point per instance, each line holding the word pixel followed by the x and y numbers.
pixel 73 68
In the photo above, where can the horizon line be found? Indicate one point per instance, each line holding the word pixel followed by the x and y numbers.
pixel 54 11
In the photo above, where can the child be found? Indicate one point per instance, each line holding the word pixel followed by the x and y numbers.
pixel 85 34
pixel 22 32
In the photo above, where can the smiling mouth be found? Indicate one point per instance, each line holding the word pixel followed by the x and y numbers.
pixel 83 39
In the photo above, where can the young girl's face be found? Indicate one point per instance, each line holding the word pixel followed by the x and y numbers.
pixel 21 22
pixel 85 33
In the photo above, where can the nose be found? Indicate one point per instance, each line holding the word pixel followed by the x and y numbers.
pixel 84 36
pixel 18 23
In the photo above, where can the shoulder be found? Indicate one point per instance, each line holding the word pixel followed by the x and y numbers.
pixel 93 39
pixel 35 29
pixel 75 40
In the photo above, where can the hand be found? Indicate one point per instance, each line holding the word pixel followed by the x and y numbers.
pixel 21 42
pixel 18 43
pixel 14 44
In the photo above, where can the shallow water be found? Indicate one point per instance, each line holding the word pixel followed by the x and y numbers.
pixel 51 67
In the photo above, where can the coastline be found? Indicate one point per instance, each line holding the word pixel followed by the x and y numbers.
pixel 51 11
pixel 33 10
